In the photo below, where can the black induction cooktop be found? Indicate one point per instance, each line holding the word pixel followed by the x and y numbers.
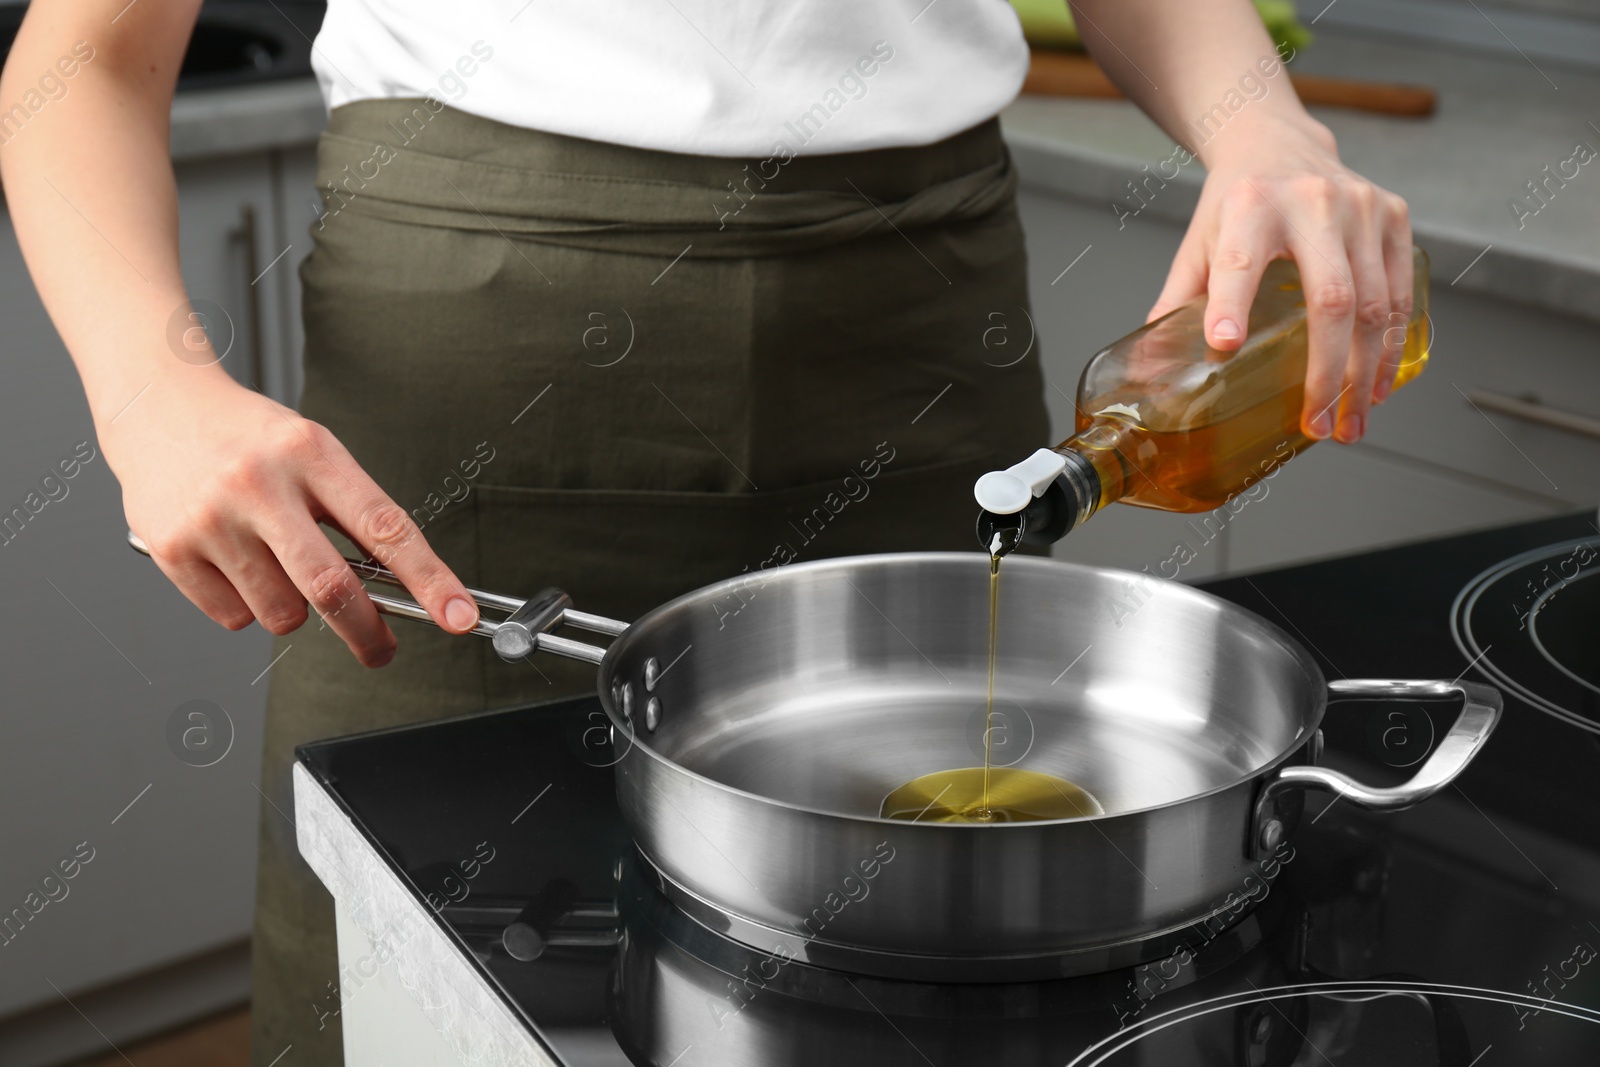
pixel 1464 931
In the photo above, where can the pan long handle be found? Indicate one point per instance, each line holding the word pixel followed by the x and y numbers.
pixel 1480 711
pixel 524 630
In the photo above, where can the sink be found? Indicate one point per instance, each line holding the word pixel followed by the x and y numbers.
pixel 235 42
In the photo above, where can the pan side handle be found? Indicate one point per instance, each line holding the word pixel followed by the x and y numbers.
pixel 1480 711
pixel 524 630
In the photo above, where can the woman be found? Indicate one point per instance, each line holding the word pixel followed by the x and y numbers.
pixel 617 296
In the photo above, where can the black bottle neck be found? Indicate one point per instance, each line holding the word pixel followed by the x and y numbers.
pixel 1066 504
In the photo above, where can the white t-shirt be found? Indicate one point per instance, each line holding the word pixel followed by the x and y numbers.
pixel 709 77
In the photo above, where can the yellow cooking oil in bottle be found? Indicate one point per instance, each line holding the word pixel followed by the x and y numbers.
pixel 1165 421
pixel 989 794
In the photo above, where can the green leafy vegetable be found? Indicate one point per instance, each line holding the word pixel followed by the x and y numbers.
pixel 1048 23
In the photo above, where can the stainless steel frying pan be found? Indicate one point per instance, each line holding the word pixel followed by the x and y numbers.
pixel 760 722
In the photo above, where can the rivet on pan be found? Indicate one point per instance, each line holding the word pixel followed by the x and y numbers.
pixel 1271 834
pixel 652 714
pixel 625 702
pixel 652 671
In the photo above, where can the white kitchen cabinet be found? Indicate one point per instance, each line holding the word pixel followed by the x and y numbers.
pixel 100 652
pixel 1334 501
pixel 230 249
pixel 1484 345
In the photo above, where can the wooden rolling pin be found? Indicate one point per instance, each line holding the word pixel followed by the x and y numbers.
pixel 1074 74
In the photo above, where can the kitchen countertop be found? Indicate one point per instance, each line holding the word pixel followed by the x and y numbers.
pixel 1499 121
pixel 1497 124
pixel 250 118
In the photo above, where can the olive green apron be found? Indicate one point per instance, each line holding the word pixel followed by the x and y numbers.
pixel 630 374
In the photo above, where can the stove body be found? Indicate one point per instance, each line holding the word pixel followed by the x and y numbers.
pixel 484 875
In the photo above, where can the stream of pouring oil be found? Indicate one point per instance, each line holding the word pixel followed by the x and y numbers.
pixel 988 709
pixel 989 794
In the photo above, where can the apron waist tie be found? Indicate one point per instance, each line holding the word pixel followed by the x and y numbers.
pixel 393 159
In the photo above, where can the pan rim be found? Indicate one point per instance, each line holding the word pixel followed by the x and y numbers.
pixel 1312 720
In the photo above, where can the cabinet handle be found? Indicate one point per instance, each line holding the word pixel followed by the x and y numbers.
pixel 1531 411
pixel 248 237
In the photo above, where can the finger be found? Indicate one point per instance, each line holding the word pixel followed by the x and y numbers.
pixel 1186 279
pixel 1399 265
pixel 383 529
pixel 1330 317
pixel 253 569
pixel 332 589
pixel 206 587
pixel 1246 236
pixel 1365 250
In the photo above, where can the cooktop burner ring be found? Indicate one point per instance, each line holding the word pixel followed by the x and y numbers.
pixel 1112 1044
pixel 1534 614
pixel 1466 604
